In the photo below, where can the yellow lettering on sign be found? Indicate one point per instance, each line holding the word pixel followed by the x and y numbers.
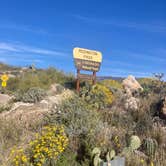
pixel 85 54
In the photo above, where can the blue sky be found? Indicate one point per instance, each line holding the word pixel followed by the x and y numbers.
pixel 131 34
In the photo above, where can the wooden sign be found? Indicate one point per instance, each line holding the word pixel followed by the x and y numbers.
pixel 89 60
pixel 85 59
pixel 85 77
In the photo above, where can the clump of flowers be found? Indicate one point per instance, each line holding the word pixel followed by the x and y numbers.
pixel 97 96
pixel 111 84
pixel 19 158
pixel 108 95
pixel 116 141
pixel 45 149
pixel 48 145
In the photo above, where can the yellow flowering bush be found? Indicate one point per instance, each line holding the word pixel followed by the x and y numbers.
pixel 112 84
pixel 108 96
pixel 45 149
pixel 97 96
pixel 19 158
pixel 48 145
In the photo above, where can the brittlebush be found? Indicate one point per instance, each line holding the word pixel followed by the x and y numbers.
pixel 45 148
pixel 112 84
pixel 18 157
pixel 97 96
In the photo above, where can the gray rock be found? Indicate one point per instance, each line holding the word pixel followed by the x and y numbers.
pixel 4 99
pixel 20 104
pixel 130 85
pixel 132 103
pixel 44 104
pixel 56 89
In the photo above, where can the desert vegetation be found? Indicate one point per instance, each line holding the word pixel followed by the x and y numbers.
pixel 103 123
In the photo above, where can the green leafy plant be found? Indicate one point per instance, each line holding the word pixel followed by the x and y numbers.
pixel 110 155
pixel 96 156
pixel 80 124
pixel 96 152
pixel 33 95
pixel 112 84
pixel 44 150
pixel 38 78
pixel 97 96
pixel 5 107
pixel 134 144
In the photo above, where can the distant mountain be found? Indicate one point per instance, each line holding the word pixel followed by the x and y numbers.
pixel 5 67
pixel 100 78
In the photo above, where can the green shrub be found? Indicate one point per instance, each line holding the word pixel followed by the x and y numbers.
pixel 10 134
pixel 44 150
pixel 33 95
pixel 5 107
pixel 151 85
pixel 74 114
pixel 68 158
pixel 39 78
pixel 80 123
pixel 144 123
pixel 112 84
pixel 97 96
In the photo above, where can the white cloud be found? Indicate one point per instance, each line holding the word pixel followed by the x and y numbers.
pixel 150 27
pixel 7 47
pixel 26 28
pixel 150 57
pixel 125 72
pixel 28 49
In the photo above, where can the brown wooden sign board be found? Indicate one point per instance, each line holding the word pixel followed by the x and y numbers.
pixel 87 65
pixel 89 60
pixel 85 77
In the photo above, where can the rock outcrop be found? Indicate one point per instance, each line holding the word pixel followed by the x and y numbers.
pixel 28 113
pixel 132 103
pixel 4 99
pixel 56 89
pixel 130 85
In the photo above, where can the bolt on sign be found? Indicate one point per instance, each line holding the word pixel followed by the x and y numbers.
pixel 88 60
pixel 4 79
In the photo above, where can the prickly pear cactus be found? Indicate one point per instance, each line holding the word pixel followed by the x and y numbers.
pixel 150 146
pixel 135 142
pixel 108 156
pixel 97 160
pixel 112 154
pixel 96 156
pixel 96 151
pixel 126 151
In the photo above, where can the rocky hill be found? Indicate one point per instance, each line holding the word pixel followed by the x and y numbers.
pixel 43 122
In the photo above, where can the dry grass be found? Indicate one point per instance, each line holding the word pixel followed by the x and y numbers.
pixel 14 133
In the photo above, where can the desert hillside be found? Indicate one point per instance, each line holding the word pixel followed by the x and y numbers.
pixel 45 122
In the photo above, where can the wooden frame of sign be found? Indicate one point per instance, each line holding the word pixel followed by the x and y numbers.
pixel 88 60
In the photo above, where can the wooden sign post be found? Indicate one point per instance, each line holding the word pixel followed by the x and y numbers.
pixel 78 81
pixel 88 60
